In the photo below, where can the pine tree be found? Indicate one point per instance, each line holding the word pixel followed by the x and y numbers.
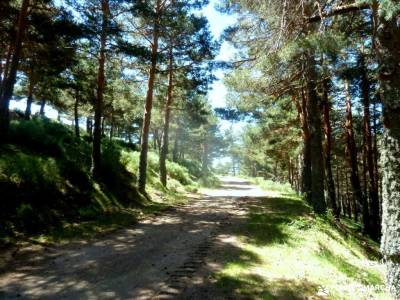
pixel 157 17
pixel 11 68
pixel 388 39
pixel 192 48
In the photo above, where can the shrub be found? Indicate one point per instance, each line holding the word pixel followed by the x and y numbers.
pixel 194 167
pixel 209 180
pixel 118 173
pixel 42 135
pixel 131 161
pixel 275 186
pixel 45 177
pixel 179 173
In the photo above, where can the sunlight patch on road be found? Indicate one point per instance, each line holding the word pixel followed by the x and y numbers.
pixel 235 187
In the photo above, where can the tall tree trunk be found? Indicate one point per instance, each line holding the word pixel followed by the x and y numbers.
pixel 103 127
pixel 76 114
pixel 297 176
pixel 328 150
pixel 7 65
pixel 364 173
pixel 148 106
pixel 375 147
pixel 204 160
pixel 351 151
pixel 1 66
pixel 339 196
pixel 89 127
pixel 129 137
pixel 305 186
pixel 112 125
pixel 314 121
pixel 7 87
pixel 42 107
pixel 374 226
pixel 168 103
pixel 290 175
pixel 29 100
pixel 175 150
pixel 389 76
pixel 98 107
pixel 155 139
pixel 348 204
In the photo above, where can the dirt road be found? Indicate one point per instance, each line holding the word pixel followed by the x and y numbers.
pixel 154 260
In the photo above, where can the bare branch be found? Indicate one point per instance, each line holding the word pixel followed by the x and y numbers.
pixel 339 10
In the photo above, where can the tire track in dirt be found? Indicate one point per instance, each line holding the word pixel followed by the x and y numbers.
pixel 156 259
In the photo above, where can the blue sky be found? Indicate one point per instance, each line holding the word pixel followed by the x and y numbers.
pixel 217 94
pixel 218 22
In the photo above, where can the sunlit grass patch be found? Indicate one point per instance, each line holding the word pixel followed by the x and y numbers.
pixel 292 254
pixel 272 186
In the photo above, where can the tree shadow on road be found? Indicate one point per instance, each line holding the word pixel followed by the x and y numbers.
pixel 264 224
pixel 133 262
pixel 125 264
pixel 253 286
pixel 267 218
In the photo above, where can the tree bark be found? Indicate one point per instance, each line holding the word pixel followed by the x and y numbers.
pixel 375 148
pixel 339 197
pixel 305 186
pixel 328 151
pixel 167 114
pixel 103 127
pixel 388 51
pixel 42 107
pixel 148 106
pixel 351 151
pixel 374 225
pixel 112 125
pixel 175 151
pixel 155 139
pixel 204 160
pixel 29 100
pixel 89 127
pixel 339 10
pixel 98 106
pixel 7 65
pixel 316 150
pixel 76 114
pixel 290 175
pixel 348 204
pixel 7 87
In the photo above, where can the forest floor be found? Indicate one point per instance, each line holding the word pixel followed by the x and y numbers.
pixel 234 242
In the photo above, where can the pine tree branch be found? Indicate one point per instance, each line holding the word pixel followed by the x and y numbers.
pixel 339 10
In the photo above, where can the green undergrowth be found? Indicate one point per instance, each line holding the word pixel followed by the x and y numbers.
pixel 283 251
pixel 105 222
pixel 270 185
pixel 48 195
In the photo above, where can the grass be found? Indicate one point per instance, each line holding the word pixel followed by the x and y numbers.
pixel 286 252
pixel 98 222
pixel 48 194
pixel 270 185
pixel 104 223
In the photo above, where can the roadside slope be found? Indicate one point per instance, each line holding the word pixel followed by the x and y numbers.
pixel 280 250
